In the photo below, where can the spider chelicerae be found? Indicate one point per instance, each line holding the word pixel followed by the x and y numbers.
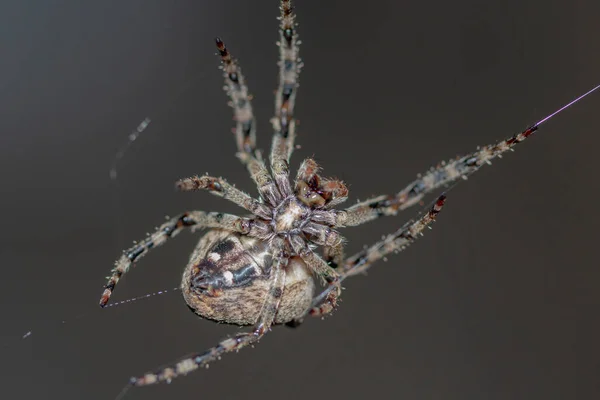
pixel 260 269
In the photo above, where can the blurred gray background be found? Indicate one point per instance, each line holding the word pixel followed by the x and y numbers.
pixel 499 301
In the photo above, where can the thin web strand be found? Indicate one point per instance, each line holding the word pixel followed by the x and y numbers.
pixel 29 333
pixel 564 107
pixel 130 139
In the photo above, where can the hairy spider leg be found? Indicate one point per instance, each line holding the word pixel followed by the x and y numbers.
pixel 334 255
pixel 245 131
pixel 364 259
pixel 284 124
pixel 321 268
pixel 331 240
pixel 443 174
pixel 220 187
pixel 194 219
pixel 240 101
pixel 235 343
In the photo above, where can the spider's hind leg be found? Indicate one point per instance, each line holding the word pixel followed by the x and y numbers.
pixel 235 343
pixel 329 275
pixel 395 242
pixel 364 259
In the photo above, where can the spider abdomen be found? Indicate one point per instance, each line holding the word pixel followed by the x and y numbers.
pixel 227 280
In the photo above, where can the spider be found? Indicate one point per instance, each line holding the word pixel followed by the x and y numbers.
pixel 260 269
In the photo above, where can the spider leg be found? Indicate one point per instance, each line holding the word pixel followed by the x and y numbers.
pixel 235 343
pixel 237 90
pixel 220 187
pixel 334 255
pixel 284 124
pixel 245 131
pixel 395 242
pixel 194 219
pixel 330 239
pixel 363 260
pixel 323 270
pixel 442 175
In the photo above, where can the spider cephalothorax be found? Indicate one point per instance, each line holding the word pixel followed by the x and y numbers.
pixel 259 270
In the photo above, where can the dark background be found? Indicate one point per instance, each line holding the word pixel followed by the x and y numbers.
pixel 499 301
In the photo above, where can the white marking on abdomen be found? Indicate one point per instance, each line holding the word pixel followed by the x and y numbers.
pixel 214 257
pixel 228 275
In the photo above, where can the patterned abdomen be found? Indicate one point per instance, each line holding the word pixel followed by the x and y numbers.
pixel 227 280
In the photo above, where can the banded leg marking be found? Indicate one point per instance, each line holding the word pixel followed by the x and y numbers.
pixel 323 270
pixel 284 124
pixel 220 187
pixel 228 345
pixel 245 131
pixel 170 229
pixel 444 174
pixel 395 242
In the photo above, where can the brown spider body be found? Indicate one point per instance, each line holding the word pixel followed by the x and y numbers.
pixel 228 275
pixel 260 269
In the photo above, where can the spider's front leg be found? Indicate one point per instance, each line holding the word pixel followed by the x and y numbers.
pixel 194 219
pixel 235 343
pixel 245 130
pixel 442 175
pixel 284 124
